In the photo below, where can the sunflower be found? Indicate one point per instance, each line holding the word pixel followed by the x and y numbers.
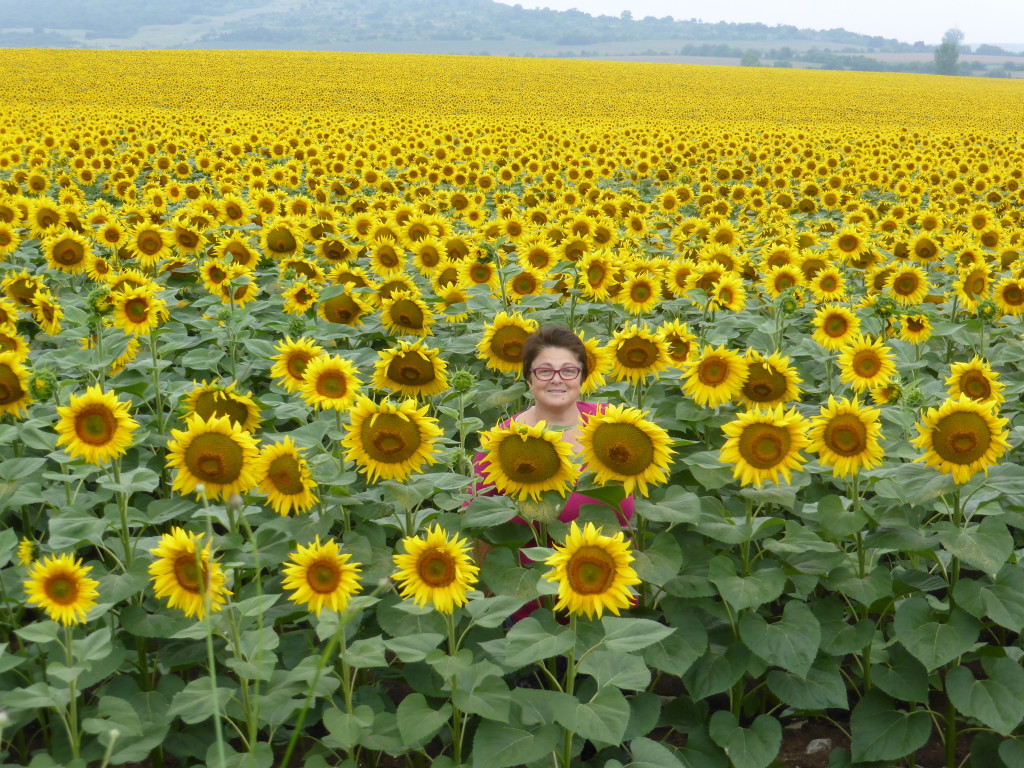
pixel 9 238
pixel 524 461
pixel 915 329
pixel 386 257
pixel 343 308
pixel 640 292
pixel 637 353
pixel 209 400
pixel 502 343
pixel 596 275
pixel 961 437
pixel 593 572
pixel 330 381
pixel 680 341
pixel 972 285
pixel 764 444
pixel 473 272
pixel 1008 294
pixel 186 575
pixel 907 284
pixel 300 297
pixel 137 310
pixel 405 313
pixel 388 441
pixel 291 360
pixel 729 293
pixel 21 287
pixel 320 576
pixel 281 237
pixel 846 436
pixel 26 551
pixel 47 312
pixel 213 457
pixel 865 364
pixel 715 376
pixel 435 570
pixel 599 364
pixel 95 426
pixel 285 478
pixel 149 243
pixel 8 312
pixel 975 380
pixel 411 370
pixel 67 251
pixel 827 285
pixel 770 381
pixel 834 327
pixel 61 586
pixel 14 394
pixel 213 273
pixel 527 282
pixel 620 445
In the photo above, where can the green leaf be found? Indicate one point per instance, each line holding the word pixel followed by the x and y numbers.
pixel 487 511
pixel 903 677
pixel 986 546
pixel 660 561
pixel 678 506
pixel 837 520
pixel 503 575
pixel 717 670
pixel 12 469
pixel 741 592
pixel 791 642
pixel 602 720
pixel 934 640
pixel 644 713
pixel 1000 599
pixel 40 632
pixel 366 653
pixel 491 612
pixel 1011 752
pixel 484 695
pixel 880 732
pixel 626 634
pixel 71 528
pixel 195 702
pixel 529 641
pixel 753 747
pixel 651 754
pixel 139 622
pixel 821 688
pixel 137 479
pixel 675 653
pixel 345 730
pixel 614 668
pixel 996 702
pixel 418 721
pixel 412 648
pixel 496 745
pixel 539 706
pixel 876 585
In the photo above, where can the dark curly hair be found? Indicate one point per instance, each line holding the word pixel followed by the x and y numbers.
pixel 553 336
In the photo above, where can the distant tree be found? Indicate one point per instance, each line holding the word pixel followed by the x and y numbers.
pixel 626 16
pixel 750 59
pixel 947 54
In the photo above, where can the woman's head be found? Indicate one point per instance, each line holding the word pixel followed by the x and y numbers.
pixel 553 337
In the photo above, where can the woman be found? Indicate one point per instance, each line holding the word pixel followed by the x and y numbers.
pixel 555 366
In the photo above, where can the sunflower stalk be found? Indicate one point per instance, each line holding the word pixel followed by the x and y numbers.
pixel 158 398
pixel 569 687
pixel 211 659
pixel 950 735
pixel 122 508
pixel 70 720
pixel 456 727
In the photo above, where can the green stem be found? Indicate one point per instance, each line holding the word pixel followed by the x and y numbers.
pixel 158 397
pixel 453 649
pixel 570 688
pixel 122 508
pixel 211 659
pixel 71 722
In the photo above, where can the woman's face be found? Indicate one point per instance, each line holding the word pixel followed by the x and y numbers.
pixel 555 394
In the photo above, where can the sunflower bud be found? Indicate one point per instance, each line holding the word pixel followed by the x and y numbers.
pixel 987 312
pixel 463 381
pixel 42 384
pixel 234 502
pixel 296 326
pixel 99 301
pixel 886 307
pixel 546 510
pixel 224 314
pixel 289 274
pixel 5 719
pixel 789 300
pixel 913 397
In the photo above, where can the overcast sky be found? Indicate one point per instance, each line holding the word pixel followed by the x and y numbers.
pixel 982 21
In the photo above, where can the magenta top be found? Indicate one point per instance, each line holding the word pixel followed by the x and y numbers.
pixel 571 510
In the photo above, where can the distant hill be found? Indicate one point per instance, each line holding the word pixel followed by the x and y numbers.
pixel 479 27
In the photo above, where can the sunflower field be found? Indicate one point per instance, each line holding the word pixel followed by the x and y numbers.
pixel 261 312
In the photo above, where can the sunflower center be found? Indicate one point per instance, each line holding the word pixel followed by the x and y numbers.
pixel 1013 295
pixel 281 241
pixel 219 403
pixel 848 243
pixel 411 369
pixel 388 258
pixel 149 243
pixel 390 438
pixel 323 577
pixel 829 284
pixel 296 364
pixel 68 252
pixel 332 385
pixel 188 574
pixel 976 386
pixel 713 371
pixel 62 589
pixel 835 326
pixel 763 446
pixel 595 274
pixel 10 386
pixel 96 425
pixel 286 475
pixel 624 448
pixel 341 309
pixel 437 568
pixel 523 284
pixel 640 292
pixel 214 458
pixel 533 460
pixel 637 353
pixel 765 384
pixel 507 344
pixel 962 437
pixel 137 310
pixel 867 364
pixel 590 570
pixel 407 314
pixel 845 435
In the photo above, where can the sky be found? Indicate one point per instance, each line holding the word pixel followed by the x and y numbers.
pixel 982 21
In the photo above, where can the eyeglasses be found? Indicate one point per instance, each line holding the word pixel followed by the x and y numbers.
pixel 568 373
